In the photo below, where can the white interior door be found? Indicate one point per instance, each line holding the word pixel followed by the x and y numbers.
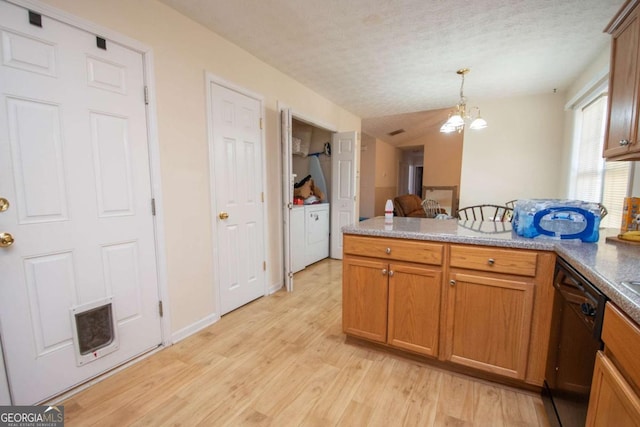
pixel 236 147
pixel 344 171
pixel 74 167
pixel 5 397
pixel 287 195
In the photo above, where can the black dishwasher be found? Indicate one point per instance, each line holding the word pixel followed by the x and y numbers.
pixel 576 326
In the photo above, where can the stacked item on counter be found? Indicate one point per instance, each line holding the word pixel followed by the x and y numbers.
pixel 630 229
pixel 557 219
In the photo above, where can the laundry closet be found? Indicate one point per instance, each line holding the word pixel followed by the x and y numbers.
pixel 310 213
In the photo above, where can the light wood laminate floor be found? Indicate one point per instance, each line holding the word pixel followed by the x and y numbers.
pixel 283 361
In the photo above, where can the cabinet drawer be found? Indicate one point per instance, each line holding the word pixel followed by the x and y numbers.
pixel 522 263
pixel 394 249
pixel 621 338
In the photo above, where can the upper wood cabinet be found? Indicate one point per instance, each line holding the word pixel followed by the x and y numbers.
pixel 621 139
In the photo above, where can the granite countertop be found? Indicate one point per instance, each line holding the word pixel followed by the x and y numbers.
pixel 606 264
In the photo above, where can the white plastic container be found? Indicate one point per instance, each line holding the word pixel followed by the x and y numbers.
pixel 388 211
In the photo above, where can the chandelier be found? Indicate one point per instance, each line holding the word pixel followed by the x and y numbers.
pixel 460 116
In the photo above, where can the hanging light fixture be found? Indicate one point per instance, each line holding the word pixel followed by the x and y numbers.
pixel 460 116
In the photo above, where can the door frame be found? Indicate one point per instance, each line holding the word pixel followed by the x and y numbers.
pixel 285 172
pixel 152 140
pixel 210 78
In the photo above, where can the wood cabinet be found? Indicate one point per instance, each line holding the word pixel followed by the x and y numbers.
pixel 414 308
pixel 492 313
pixel 489 323
pixel 365 296
pixel 614 399
pixel 621 140
pixel 490 309
pixel 389 300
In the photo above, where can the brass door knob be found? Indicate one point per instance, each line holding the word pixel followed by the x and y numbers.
pixel 223 215
pixel 4 204
pixel 6 240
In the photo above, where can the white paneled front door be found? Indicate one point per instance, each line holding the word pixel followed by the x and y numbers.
pixel 74 168
pixel 236 150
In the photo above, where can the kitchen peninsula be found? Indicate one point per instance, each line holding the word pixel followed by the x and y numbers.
pixel 470 294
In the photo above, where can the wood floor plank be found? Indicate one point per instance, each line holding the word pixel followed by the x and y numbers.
pixel 284 361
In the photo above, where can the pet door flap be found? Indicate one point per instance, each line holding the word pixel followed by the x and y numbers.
pixel 94 330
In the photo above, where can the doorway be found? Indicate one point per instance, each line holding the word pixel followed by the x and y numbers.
pixel 410 170
pixel 237 194
pixel 315 213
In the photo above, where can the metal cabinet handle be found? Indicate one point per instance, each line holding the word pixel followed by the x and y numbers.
pixel 624 142
pixel 452 282
pixel 390 273
pixel 388 251
pixel 384 271
pixel 491 261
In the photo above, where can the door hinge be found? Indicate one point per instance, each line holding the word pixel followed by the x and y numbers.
pixel 160 310
pixel 101 43
pixel 290 206
pixel 262 196
pixel 264 265
pixel 146 95
pixel 153 207
pixel 260 122
pixel 35 19
pixel 290 274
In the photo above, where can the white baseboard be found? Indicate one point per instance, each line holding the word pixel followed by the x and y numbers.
pixel 194 327
pixel 274 288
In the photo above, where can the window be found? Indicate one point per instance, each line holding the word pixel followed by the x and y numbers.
pixel 595 180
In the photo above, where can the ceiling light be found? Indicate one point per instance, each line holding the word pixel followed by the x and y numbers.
pixel 460 116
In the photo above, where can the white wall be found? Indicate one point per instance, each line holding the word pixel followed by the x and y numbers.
pixel 519 155
pixel 183 50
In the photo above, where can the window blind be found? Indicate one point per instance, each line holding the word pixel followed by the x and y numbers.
pixel 589 173
pixel 615 189
pixel 596 180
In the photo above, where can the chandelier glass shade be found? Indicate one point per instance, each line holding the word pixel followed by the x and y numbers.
pixel 460 116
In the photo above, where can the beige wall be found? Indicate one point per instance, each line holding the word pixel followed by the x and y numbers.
pixel 387 161
pixel 367 176
pixel 183 51
pixel 442 157
pixel 519 155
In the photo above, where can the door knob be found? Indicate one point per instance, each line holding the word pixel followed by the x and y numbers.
pixel 4 204
pixel 6 240
pixel 223 215
pixel 624 142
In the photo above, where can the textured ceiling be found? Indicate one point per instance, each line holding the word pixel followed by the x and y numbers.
pixel 384 57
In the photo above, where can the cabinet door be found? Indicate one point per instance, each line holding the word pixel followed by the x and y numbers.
pixel 612 402
pixel 364 298
pixel 623 97
pixel 489 322
pixel 414 308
